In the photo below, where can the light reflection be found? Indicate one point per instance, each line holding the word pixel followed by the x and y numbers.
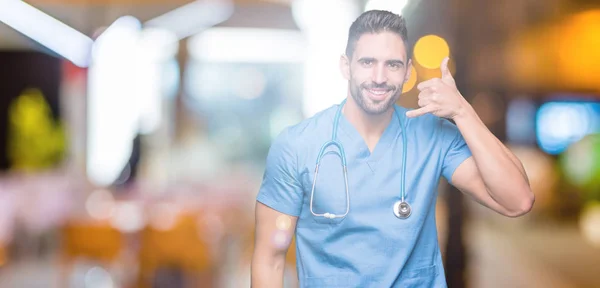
pixel 281 239
pixel 412 80
pixel 100 204
pixel 97 277
pixel 430 50
pixel 283 222
pixel 590 223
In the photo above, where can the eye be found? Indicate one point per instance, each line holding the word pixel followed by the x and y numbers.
pixel 394 66
pixel 366 62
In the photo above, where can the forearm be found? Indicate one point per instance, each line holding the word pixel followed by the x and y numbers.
pixel 267 272
pixel 505 149
pixel 500 170
pixel 514 159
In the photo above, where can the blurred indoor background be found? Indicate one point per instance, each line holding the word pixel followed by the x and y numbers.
pixel 133 133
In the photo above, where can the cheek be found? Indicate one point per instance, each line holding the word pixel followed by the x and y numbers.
pixel 360 75
pixel 400 77
pixel 357 80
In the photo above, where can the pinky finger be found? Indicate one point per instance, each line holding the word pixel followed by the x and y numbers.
pixel 419 112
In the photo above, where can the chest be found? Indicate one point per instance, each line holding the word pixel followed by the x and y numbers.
pixel 370 186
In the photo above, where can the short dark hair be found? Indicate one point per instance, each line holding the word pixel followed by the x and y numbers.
pixel 376 21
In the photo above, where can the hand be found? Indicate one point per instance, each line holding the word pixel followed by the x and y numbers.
pixel 439 97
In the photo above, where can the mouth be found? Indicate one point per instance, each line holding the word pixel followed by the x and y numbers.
pixel 377 94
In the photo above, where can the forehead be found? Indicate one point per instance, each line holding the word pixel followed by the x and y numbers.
pixel 381 46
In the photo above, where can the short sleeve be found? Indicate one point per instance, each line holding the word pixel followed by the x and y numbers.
pixel 281 189
pixel 457 150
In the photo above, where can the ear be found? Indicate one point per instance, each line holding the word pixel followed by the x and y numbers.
pixel 408 70
pixel 345 66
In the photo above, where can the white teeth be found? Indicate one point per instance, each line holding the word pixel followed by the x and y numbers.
pixel 377 92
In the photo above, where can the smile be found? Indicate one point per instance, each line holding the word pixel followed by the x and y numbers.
pixel 377 94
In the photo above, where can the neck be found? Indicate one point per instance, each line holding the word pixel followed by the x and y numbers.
pixel 369 126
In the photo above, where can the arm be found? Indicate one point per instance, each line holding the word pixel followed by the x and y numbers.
pixel 268 259
pixel 279 203
pixel 493 175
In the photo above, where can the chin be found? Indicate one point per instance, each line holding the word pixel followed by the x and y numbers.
pixel 376 107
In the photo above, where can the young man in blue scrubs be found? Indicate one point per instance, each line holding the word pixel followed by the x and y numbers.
pixel 366 243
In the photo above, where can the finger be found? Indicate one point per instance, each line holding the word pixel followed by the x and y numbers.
pixel 424 102
pixel 433 82
pixel 444 67
pixel 425 94
pixel 430 94
pixel 428 91
pixel 446 74
pixel 419 112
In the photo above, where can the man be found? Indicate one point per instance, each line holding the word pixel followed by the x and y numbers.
pixel 358 238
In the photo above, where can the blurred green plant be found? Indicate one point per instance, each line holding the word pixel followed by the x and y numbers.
pixel 581 166
pixel 35 140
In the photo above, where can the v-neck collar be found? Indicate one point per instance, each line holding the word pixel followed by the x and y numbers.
pixel 360 148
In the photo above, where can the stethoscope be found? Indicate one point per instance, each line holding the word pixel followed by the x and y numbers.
pixel 401 208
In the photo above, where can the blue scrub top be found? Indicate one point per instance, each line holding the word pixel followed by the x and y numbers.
pixel 370 247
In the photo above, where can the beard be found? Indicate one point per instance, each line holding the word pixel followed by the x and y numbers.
pixel 367 104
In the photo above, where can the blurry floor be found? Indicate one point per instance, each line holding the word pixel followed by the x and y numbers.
pixel 30 274
pixel 46 274
pixel 500 256
pixel 530 256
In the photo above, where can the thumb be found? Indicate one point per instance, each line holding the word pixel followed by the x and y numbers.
pixel 445 71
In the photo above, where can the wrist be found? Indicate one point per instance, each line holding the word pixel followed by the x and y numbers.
pixel 464 113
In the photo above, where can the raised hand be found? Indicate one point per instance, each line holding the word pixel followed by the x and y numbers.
pixel 439 96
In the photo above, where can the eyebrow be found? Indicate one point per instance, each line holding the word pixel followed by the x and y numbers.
pixel 392 61
pixel 367 59
pixel 395 61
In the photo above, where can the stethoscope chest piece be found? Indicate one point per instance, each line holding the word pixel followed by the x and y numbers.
pixel 402 209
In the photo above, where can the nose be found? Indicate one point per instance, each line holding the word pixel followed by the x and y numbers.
pixel 379 75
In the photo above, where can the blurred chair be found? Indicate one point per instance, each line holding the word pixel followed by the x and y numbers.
pixel 175 253
pixel 94 241
pixel 3 258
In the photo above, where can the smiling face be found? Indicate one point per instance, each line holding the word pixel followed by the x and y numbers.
pixel 377 71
